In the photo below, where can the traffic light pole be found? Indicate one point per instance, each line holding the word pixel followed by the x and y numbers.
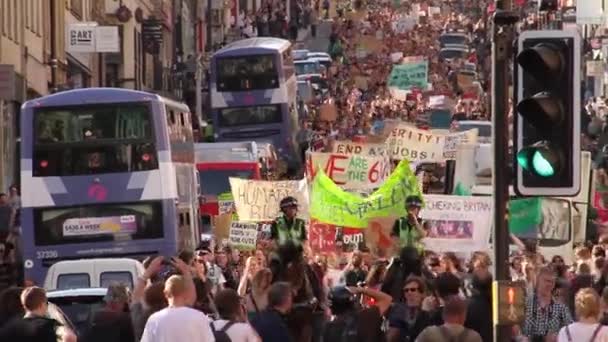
pixel 502 44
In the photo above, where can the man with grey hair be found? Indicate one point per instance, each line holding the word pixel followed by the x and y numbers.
pixel 270 323
pixel 113 322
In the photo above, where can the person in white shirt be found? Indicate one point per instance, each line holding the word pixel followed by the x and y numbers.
pixel 233 317
pixel 178 322
pixel 587 328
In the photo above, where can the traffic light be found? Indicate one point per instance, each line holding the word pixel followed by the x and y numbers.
pixel 508 302
pixel 547 135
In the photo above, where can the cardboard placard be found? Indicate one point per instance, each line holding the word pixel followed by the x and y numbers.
pixel 328 112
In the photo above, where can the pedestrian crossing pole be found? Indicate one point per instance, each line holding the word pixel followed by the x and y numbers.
pixel 503 26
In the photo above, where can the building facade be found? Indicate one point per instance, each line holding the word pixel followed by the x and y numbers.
pixel 35 58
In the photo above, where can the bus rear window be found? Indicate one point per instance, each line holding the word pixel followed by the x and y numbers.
pixel 93 139
pixel 108 278
pixel 97 223
pixel 247 73
pixel 70 281
pixel 254 115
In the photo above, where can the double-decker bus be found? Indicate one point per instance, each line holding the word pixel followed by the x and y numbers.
pixel 106 172
pixel 253 95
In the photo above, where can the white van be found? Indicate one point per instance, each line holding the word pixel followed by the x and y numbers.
pixel 87 273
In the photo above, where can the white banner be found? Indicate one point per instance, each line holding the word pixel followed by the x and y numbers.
pixel 259 200
pixel 366 149
pixel 457 223
pixel 413 144
pixel 589 12
pixel 356 172
pixel 243 235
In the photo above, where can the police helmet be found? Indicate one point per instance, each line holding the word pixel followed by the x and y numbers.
pixel 340 297
pixel 288 201
pixel 413 201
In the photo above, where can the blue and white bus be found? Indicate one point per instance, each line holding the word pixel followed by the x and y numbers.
pixel 106 172
pixel 253 95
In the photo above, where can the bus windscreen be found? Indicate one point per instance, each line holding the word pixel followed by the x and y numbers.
pixel 216 182
pixel 97 223
pixel 93 139
pixel 252 115
pixel 247 73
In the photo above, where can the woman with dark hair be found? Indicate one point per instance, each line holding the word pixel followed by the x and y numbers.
pixel 10 305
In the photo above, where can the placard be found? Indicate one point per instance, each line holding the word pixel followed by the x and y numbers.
pixel 243 235
pixel 258 200
pixel 410 75
pixel 413 144
pixel 328 112
pixel 366 149
pixel 324 237
pixel 331 204
pixel 349 171
pixel 457 223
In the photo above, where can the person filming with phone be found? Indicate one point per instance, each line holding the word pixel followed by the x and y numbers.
pixel 408 231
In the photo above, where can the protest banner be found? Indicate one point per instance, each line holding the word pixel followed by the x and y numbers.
pixel 328 112
pixel 524 217
pixel 324 238
pixel 413 144
pixel 349 171
pixel 457 223
pixel 407 76
pixel 257 200
pixel 404 24
pixel 465 80
pixel 396 57
pixel 361 82
pixel 225 203
pixel 221 226
pixel 330 204
pixel 365 149
pixel 243 235
pixel 369 43
pixel 412 59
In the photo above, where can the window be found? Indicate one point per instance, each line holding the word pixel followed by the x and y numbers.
pixel 98 223
pixel 215 182
pixel 254 115
pixel 93 139
pixel 73 281
pixel 247 73
pixel 124 278
pixel 303 68
pixel 76 8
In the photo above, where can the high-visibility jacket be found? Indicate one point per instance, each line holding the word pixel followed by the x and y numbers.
pixel 287 232
pixel 409 235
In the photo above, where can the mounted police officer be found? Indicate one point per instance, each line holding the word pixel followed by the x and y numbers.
pixel 289 236
pixel 409 230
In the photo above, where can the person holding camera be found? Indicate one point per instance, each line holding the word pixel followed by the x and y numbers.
pixel 408 231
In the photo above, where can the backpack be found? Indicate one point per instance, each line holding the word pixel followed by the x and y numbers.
pixel 221 335
pixel 341 329
pixel 449 338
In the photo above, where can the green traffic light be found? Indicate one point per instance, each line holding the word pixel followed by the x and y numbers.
pixel 542 166
pixel 523 160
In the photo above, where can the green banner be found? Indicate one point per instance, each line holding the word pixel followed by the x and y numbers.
pixel 407 76
pixel 330 204
pixel 524 216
